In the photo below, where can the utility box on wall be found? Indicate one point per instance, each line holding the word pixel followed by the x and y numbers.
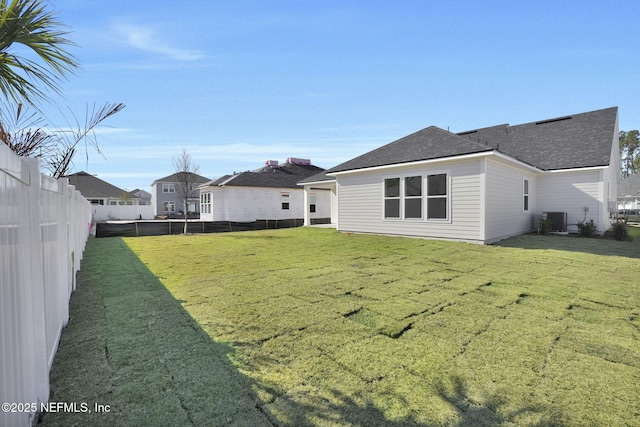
pixel 558 220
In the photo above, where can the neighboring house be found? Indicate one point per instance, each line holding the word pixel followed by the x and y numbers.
pixel 271 192
pixel 144 197
pixel 97 191
pixel 107 200
pixel 629 192
pixel 483 185
pixel 166 200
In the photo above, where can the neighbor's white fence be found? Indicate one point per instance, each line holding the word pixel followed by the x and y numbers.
pixel 44 225
pixel 121 212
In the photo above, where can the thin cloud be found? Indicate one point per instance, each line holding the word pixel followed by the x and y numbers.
pixel 149 39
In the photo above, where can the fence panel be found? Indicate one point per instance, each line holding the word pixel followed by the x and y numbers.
pixel 44 224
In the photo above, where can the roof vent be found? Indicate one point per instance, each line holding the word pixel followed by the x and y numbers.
pixel 559 119
pixel 296 161
pixel 272 164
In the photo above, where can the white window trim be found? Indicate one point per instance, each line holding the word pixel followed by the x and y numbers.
pixel 168 188
pixel 424 174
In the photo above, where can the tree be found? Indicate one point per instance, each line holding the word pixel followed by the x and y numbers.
pixel 27 134
pixel 186 179
pixel 629 152
pixel 28 23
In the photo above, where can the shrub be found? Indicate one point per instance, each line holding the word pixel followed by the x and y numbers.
pixel 545 226
pixel 619 231
pixel 587 229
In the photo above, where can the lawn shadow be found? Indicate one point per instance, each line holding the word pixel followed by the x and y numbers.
pixel 132 348
pixel 572 243
pixel 471 413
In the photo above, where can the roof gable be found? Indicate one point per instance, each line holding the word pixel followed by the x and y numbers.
pixel 174 177
pixel 429 143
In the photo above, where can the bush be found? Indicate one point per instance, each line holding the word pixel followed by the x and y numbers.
pixel 619 231
pixel 587 229
pixel 545 226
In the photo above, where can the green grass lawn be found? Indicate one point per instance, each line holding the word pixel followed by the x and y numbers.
pixel 309 326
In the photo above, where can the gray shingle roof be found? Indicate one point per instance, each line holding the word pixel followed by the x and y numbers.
pixel 286 175
pixel 90 186
pixel 629 186
pixel 577 141
pixel 427 144
pixel 198 179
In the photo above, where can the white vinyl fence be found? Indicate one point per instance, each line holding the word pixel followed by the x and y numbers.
pixel 44 225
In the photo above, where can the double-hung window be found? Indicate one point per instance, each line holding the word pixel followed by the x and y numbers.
pixel 168 188
pixel 312 202
pixel 437 196
pixel 525 191
pixel 413 197
pixel 392 198
pixel 285 201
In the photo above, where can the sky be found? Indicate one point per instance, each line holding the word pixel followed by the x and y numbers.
pixel 236 83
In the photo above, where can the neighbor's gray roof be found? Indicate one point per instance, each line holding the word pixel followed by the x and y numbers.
pixel 90 186
pixel 577 141
pixel 629 186
pixel 198 179
pixel 287 175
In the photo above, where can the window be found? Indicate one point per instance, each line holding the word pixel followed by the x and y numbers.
pixel 525 190
pixel 205 202
pixel 169 206
pixel 392 198
pixel 312 202
pixel 168 188
pixel 437 196
pixel 413 197
pixel 285 201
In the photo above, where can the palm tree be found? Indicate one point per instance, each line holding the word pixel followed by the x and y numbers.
pixel 28 23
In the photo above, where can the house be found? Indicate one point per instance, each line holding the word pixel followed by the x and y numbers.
pixel 629 192
pixel 166 198
pixel 271 192
pixel 97 191
pixel 483 185
pixel 109 202
pixel 144 197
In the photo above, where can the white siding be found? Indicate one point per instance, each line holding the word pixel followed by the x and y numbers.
pixel 246 204
pixel 361 202
pixel 505 214
pixel 572 192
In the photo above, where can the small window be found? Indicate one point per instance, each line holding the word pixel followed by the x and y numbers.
pixel 392 198
pixel 285 201
pixel 312 202
pixel 526 194
pixel 437 198
pixel 168 188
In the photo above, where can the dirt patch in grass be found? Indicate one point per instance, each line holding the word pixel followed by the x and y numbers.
pixel 315 327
